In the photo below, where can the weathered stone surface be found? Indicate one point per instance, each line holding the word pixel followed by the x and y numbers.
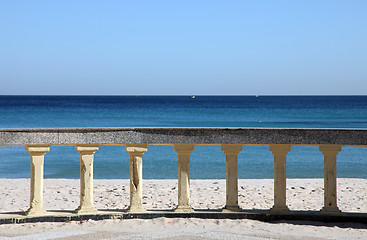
pixel 136 152
pixel 72 136
pixel 37 162
pixel 86 178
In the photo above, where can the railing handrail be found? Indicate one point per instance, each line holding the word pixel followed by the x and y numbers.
pixel 169 136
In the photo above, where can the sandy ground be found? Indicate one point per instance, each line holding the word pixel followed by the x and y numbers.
pixel 302 194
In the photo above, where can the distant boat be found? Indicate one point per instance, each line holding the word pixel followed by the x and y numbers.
pixel 192 96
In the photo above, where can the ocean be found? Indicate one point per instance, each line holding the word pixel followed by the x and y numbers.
pixel 160 162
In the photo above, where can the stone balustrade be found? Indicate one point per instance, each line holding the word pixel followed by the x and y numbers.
pixel 87 141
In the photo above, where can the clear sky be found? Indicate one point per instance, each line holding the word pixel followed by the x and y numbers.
pixel 183 47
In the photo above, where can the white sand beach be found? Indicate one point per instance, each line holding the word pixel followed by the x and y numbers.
pixel 302 194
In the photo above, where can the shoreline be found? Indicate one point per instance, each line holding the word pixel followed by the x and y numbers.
pixel 302 194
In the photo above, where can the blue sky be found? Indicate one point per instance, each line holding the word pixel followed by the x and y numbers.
pixel 183 47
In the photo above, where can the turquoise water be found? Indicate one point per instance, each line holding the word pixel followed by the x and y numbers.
pixel 160 162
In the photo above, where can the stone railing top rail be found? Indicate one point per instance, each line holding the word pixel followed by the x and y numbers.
pixel 167 136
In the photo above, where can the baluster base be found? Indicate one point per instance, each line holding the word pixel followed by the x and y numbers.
pixel 136 210
pixel 86 210
pixel 184 209
pixel 280 210
pixel 35 212
pixel 330 210
pixel 231 209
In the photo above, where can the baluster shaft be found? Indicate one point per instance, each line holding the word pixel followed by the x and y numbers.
pixel 37 160
pixel 136 152
pixel 280 178
pixel 330 185
pixel 184 151
pixel 86 179
pixel 231 151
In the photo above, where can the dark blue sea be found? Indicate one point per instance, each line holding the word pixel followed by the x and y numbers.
pixel 160 162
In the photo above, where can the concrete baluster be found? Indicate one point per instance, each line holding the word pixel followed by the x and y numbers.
pixel 280 163
pixel 37 160
pixel 231 151
pixel 136 152
pixel 86 179
pixel 330 193
pixel 183 151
